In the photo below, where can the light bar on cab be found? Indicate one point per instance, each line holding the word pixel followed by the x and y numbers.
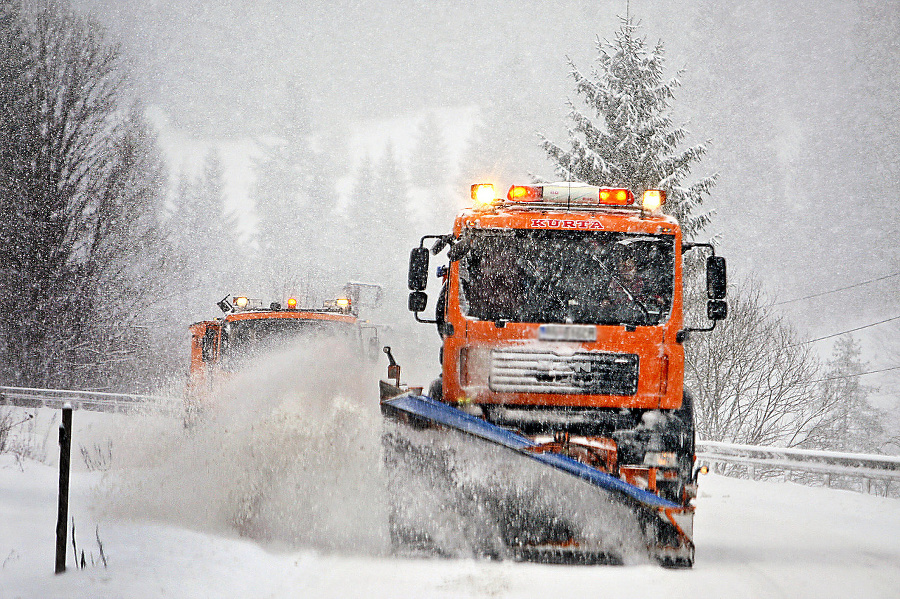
pixel 566 194
pixel 570 193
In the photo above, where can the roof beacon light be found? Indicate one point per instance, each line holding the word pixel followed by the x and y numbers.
pixel 615 197
pixel 242 302
pixel 653 199
pixel 483 195
pixel 525 193
pixel 292 303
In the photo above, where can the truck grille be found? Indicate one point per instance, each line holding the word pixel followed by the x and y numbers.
pixel 581 373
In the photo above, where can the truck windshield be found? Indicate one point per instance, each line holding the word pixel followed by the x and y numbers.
pixel 245 340
pixel 568 277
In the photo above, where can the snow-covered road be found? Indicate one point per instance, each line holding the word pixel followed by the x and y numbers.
pixel 754 539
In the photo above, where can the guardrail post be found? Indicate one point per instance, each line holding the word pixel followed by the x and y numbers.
pixel 62 516
pixel 868 485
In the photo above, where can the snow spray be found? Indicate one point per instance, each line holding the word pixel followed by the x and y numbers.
pixel 288 453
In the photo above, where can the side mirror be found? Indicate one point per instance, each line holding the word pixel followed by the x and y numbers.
pixel 417 301
pixel 716 279
pixel 418 271
pixel 716 309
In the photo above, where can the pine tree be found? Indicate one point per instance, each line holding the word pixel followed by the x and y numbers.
pixel 134 336
pixel 206 239
pixel 429 160
pixel 391 232
pixel 364 221
pixel 634 144
pixel 429 167
pixel 79 176
pixel 855 425
pixel 295 195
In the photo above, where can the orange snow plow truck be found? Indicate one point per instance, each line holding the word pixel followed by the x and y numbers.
pixel 249 328
pixel 561 315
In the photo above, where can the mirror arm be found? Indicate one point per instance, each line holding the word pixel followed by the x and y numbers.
pixel 439 237
pixel 698 329
pixel 687 246
pixel 416 314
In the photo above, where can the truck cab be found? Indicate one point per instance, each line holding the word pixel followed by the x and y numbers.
pixel 249 328
pixel 562 317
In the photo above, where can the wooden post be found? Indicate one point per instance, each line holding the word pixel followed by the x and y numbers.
pixel 62 516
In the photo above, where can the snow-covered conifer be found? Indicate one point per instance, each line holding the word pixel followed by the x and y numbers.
pixel 429 160
pixel 80 180
pixel 205 236
pixel 854 424
pixel 633 141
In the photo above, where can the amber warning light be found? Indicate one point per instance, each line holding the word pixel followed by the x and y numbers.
pixel 653 199
pixel 483 194
pixel 525 193
pixel 615 197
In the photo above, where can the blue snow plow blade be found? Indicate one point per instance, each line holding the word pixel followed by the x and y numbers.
pixel 438 412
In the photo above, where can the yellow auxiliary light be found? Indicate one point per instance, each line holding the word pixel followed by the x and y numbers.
pixel 483 194
pixel 653 199
pixel 343 302
pixel 292 303
pixel 242 302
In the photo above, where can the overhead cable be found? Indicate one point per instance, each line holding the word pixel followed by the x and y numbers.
pixel 865 326
pixel 850 376
pixel 896 274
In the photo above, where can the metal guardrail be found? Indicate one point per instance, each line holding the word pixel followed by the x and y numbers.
pixel 828 466
pixel 94 401
pixel 752 461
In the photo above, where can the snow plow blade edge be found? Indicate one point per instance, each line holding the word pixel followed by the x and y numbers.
pixel 668 526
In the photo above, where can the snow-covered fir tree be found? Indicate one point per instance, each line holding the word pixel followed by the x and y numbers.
pixel 855 425
pixel 80 180
pixel 206 236
pixel 633 142
pixel 429 167
pixel 294 193
pixel 390 196
pixel 429 159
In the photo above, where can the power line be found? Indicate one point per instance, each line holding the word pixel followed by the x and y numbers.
pixel 896 274
pixel 850 376
pixel 865 326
